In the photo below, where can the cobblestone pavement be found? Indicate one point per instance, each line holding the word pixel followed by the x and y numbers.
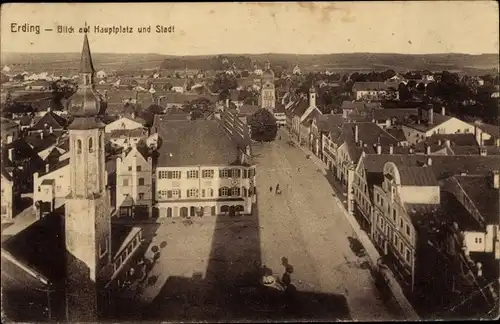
pixel 305 225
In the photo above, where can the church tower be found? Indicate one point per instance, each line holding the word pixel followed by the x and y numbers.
pixel 312 96
pixel 87 221
pixel 268 92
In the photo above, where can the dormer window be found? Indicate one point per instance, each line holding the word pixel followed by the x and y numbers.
pixel 91 145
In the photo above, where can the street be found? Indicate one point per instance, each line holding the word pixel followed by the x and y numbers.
pixel 304 225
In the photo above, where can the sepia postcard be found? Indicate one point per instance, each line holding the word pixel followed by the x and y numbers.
pixel 250 162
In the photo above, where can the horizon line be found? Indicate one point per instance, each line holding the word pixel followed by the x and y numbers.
pixel 263 53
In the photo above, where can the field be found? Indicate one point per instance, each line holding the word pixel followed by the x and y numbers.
pixel 343 63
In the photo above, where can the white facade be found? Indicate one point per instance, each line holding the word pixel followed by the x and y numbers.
pixel 134 179
pixel 483 241
pixel 204 190
pixel 123 123
pixel 451 126
pixel 179 89
pixel 280 118
pixel 7 187
pixel 62 185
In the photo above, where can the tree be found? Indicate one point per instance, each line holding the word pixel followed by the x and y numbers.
pixel 263 126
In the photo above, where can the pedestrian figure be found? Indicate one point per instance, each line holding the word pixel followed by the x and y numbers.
pixel 271 189
pixel 277 188
pixel 298 169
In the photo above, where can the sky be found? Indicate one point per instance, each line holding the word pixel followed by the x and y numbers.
pixel 415 27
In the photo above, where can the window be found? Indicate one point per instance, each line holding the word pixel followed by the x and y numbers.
pixel 378 198
pixel 478 240
pixel 207 174
pixel 139 168
pixel 141 196
pixel 235 173
pixel 130 168
pixel 245 192
pixel 176 193
pixel 408 256
pixel 224 192
pixel 395 240
pixel 91 145
pixel 100 141
pixel 245 174
pixel 407 229
pixel 210 192
pixel 192 174
pixel 394 215
pixel 401 223
pixel 203 192
pixel 401 247
pixel 125 182
pixel 192 193
pixel 141 181
pixel 4 209
pixel 79 146
pixel 235 191
pixel 224 173
pixel 169 174
pixel 168 193
pixel 39 189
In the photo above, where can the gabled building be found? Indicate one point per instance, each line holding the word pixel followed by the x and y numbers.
pixel 487 134
pixel 301 113
pixel 432 124
pixel 134 185
pixel 202 170
pixel 125 122
pixel 9 131
pixel 375 91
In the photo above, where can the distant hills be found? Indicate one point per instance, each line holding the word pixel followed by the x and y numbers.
pixel 342 63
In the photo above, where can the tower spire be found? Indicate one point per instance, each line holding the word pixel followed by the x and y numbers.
pixel 86 65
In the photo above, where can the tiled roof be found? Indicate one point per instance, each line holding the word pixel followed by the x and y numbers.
pixel 399 114
pixel 482 194
pixel 180 116
pixel 326 122
pixel 417 176
pixel 54 167
pixel 446 165
pixel 490 129
pixel 50 119
pixel 423 215
pixel 438 141
pixel 198 142
pixel 375 163
pixel 248 109
pixel 300 107
pixel 7 123
pixel 424 126
pixel 38 143
pixel 314 114
pixel 280 108
pixel 397 133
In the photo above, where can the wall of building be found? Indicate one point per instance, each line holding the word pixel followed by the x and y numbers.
pixel 420 194
pixel 62 185
pixel 204 190
pixel 7 198
pixel 122 123
pixel 129 171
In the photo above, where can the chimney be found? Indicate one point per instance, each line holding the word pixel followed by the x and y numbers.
pixel 496 179
pixel 227 102
pixel 379 149
pixel 356 133
pixel 440 142
pixel 47 168
pixel 428 149
pixel 391 149
pixel 419 115
pixel 430 113
pixel 133 115
pixel 481 140
pixel 443 111
pixel 448 142
pixel 51 130
pixel 429 161
pixel 41 135
pixel 11 151
pixel 411 150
